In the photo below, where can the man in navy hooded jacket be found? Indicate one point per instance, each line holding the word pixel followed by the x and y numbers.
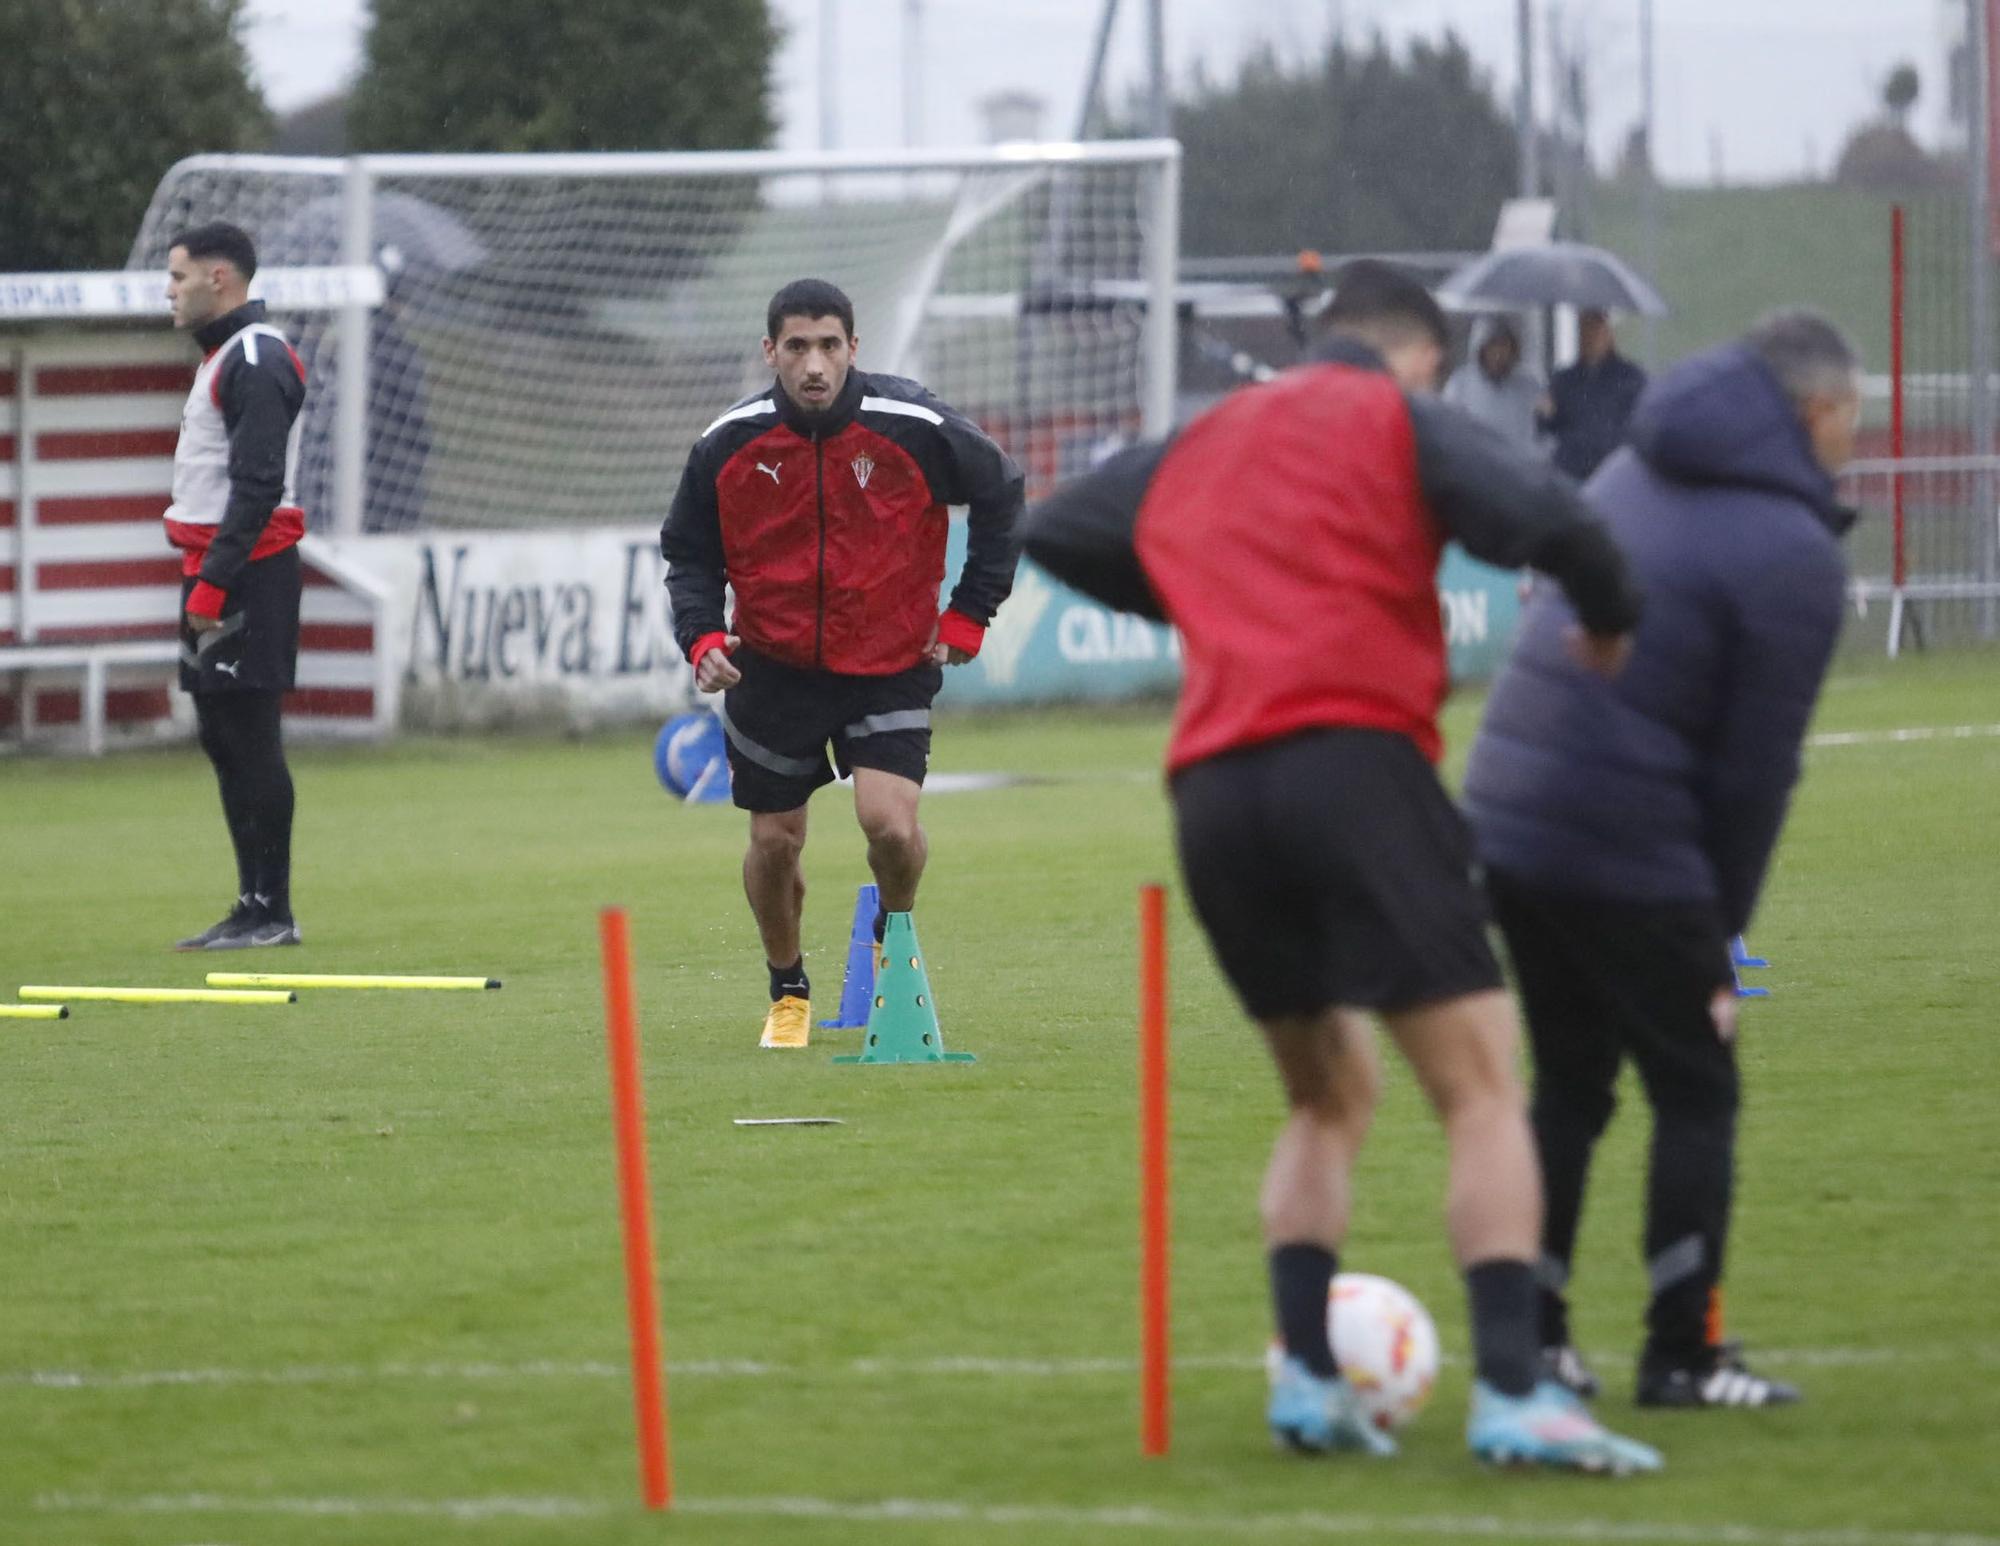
pixel 1626 825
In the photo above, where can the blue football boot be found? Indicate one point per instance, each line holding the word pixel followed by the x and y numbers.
pixel 1550 1427
pixel 1314 1416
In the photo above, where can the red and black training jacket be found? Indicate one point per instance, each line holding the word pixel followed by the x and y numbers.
pixel 831 527
pixel 1292 535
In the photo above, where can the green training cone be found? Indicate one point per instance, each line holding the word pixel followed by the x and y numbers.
pixel 902 1017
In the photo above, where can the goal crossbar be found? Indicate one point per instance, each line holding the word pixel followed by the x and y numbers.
pixel 558 327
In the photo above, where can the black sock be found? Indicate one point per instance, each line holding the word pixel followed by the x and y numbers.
pixel 1301 1276
pixel 1554 1318
pixel 789 981
pixel 881 924
pixel 1504 1323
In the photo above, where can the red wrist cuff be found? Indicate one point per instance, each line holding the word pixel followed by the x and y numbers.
pixel 205 600
pixel 961 632
pixel 707 642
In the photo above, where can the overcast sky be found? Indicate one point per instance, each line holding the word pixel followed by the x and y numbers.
pixel 1765 89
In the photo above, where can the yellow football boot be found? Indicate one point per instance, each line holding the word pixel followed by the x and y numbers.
pixel 789 1024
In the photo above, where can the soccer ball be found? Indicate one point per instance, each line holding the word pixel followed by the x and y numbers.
pixel 1385 1345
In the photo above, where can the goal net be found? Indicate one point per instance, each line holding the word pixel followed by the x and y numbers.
pixel 559 329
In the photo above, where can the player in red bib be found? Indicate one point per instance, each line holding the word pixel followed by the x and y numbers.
pixel 1292 534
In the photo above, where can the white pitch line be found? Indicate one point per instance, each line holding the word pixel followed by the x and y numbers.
pixel 1893 737
pixel 1137 1518
pixel 729 1368
pixel 463 1510
pixel 967 1367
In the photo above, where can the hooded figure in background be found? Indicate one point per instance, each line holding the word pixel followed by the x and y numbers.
pixel 1495 386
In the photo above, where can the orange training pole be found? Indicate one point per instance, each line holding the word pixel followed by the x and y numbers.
pixel 649 1393
pixel 1155 1424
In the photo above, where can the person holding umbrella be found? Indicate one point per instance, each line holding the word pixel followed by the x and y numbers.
pixel 1590 402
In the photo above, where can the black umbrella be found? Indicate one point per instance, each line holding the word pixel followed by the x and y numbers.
pixel 413 238
pixel 1560 274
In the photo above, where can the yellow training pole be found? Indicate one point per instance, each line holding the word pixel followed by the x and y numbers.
pixel 34 1012
pixel 348 980
pixel 155 996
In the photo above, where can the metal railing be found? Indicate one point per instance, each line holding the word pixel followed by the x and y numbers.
pixel 1929 544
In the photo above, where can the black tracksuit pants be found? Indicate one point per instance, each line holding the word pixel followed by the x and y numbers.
pixel 1601 981
pixel 242 733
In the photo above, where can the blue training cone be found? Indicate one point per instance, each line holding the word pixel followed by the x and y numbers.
pixel 1739 958
pixel 902 1020
pixel 691 758
pixel 859 983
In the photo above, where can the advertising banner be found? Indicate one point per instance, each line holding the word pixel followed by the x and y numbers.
pixel 495 628
pixel 1049 643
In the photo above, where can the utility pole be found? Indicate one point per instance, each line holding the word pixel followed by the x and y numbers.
pixel 829 66
pixel 1536 340
pixel 1577 83
pixel 1524 100
pixel 1562 173
pixel 1649 185
pixel 1162 126
pixel 913 73
pixel 1093 82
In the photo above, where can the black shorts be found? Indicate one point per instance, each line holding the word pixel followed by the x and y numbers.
pixel 257 646
pixel 781 719
pixel 1331 869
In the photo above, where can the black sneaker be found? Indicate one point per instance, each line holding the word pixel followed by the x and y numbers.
pixel 1720 1379
pixel 1566 1367
pixel 245 912
pixel 255 932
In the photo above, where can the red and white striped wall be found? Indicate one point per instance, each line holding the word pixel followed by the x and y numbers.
pixel 88 421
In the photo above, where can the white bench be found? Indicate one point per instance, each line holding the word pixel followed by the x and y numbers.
pixel 95 661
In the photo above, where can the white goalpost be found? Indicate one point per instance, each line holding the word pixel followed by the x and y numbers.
pixel 559 328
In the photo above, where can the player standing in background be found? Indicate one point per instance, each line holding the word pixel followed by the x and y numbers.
pixel 1292 534
pixel 237 526
pixel 822 501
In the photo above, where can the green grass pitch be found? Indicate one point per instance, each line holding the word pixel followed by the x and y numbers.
pixel 348 1271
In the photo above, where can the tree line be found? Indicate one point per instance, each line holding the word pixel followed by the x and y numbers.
pixel 99 99
pixel 1354 148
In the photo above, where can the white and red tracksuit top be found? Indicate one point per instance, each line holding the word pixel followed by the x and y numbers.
pixel 233 466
